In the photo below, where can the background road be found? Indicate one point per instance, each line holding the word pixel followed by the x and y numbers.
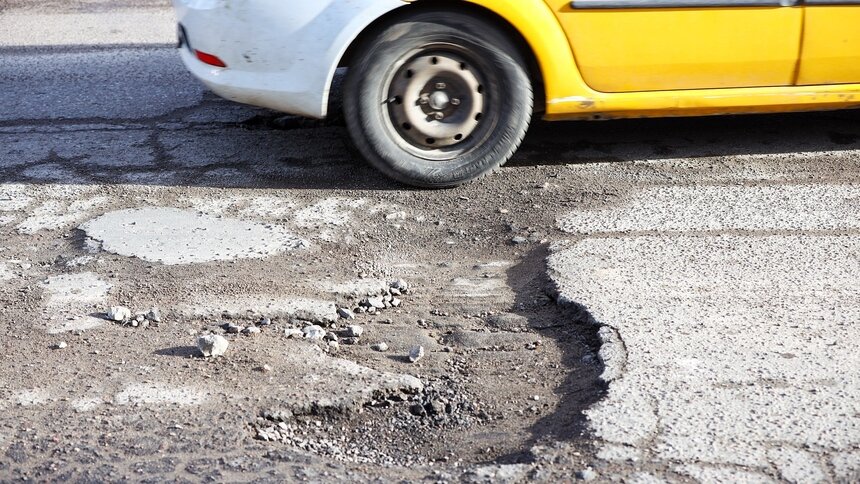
pixel 648 301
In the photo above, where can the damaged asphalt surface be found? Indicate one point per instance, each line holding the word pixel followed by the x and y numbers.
pixel 632 301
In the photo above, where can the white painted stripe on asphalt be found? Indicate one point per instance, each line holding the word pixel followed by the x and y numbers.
pixel 21 29
pixel 710 208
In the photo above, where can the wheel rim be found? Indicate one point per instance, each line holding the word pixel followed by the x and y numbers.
pixel 435 103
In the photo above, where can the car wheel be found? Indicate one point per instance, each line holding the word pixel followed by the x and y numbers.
pixel 437 99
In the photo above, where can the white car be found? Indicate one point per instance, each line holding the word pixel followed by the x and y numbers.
pixel 415 107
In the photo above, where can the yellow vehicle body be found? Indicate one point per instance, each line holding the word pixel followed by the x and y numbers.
pixel 615 62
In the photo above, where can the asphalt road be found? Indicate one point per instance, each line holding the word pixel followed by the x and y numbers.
pixel 701 322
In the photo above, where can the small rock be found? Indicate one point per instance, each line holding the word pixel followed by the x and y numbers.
pixel 314 332
pixel 333 345
pixel 345 313
pixel 264 322
pixel 395 303
pixel 119 314
pixel 586 475
pixel 264 368
pixel 330 336
pixel 394 291
pixel 144 324
pixel 251 330
pixel 399 285
pixel 354 331
pixel 349 341
pixel 212 345
pixel 418 410
pixel 154 315
pixel 293 332
pixel 134 323
pixel 416 354
pixel 234 328
pixel 376 302
pixel 519 240
pixel 60 345
pixel 140 318
pixel 379 346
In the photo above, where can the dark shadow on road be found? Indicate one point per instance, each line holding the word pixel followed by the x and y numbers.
pixel 197 146
pixel 550 143
pixel 574 331
pixel 180 351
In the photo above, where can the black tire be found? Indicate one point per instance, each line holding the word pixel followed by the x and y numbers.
pixel 487 59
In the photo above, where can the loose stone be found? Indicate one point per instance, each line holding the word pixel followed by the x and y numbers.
pixel 349 340
pixel 264 322
pixel 251 330
pixel 212 345
pixel 60 345
pixel 354 330
pixel 416 354
pixel 586 475
pixel 519 240
pixel 379 346
pixel 376 302
pixel 395 303
pixel 234 328
pixel 119 314
pixel 154 315
pixel 314 332
pixel 400 285
pixel 345 313
pixel 293 332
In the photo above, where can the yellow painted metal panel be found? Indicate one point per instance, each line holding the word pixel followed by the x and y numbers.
pixel 689 48
pixel 831 45
pixel 701 102
pixel 537 24
pixel 569 97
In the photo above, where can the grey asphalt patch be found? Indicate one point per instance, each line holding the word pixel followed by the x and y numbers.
pixel 173 236
pixel 122 77
pixel 703 208
pixel 260 149
pixel 757 331
pixel 106 148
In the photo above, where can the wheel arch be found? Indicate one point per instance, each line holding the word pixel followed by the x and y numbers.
pixel 530 23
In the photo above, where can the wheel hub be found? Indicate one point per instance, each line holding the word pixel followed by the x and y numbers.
pixel 436 100
pixel 439 100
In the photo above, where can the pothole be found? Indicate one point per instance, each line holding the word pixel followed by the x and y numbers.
pixel 490 395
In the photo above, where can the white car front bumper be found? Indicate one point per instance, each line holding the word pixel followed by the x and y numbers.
pixel 280 54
